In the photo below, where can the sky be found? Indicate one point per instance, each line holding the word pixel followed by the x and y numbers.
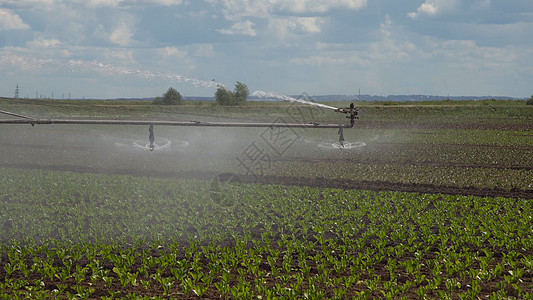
pixel 140 48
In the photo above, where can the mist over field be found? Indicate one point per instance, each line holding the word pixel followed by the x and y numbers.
pixel 395 144
pixel 125 149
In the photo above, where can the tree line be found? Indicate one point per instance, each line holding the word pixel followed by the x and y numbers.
pixel 223 96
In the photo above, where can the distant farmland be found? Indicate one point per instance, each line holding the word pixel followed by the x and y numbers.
pixel 425 201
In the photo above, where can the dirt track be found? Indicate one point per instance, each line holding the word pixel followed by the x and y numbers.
pixel 396 186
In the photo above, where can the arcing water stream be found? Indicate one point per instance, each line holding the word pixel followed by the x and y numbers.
pixel 108 69
pixel 98 67
pixel 78 66
pixel 263 94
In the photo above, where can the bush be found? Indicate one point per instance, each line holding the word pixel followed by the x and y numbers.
pixel 171 97
pixel 241 92
pixel 157 101
pixel 225 97
pixel 238 97
pixel 530 100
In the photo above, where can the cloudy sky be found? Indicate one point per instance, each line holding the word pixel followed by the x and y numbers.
pixel 139 48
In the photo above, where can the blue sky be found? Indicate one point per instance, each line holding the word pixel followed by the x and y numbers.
pixel 139 48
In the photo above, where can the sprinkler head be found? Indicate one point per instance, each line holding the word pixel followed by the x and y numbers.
pixel 351 111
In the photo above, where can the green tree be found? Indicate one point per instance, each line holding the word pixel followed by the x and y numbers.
pixel 241 92
pixel 157 101
pixel 237 97
pixel 530 100
pixel 171 97
pixel 224 97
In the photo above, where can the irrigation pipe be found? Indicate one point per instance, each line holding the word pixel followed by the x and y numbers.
pixel 28 120
pixel 15 115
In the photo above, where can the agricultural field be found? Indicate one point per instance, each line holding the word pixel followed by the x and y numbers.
pixel 423 202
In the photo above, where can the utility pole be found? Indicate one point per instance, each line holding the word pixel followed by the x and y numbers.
pixel 17 91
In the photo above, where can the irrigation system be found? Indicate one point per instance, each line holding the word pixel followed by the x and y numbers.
pixel 351 111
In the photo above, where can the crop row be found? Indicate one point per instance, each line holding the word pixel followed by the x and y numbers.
pixel 460 176
pixel 471 137
pixel 101 236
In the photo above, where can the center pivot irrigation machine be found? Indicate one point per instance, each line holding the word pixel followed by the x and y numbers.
pixel 351 111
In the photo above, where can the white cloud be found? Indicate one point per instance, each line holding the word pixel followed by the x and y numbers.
pixel 44 43
pixel 174 58
pixel 124 57
pixel 204 50
pixel 309 25
pixel 432 8
pixel 238 9
pixel 429 9
pixel 166 2
pixel 100 3
pixel 519 32
pixel 318 6
pixel 385 49
pixel 65 53
pixel 172 51
pixel 392 46
pixel 324 46
pixel 122 35
pixel 334 59
pixel 483 38
pixel 10 21
pixel 32 3
pixel 244 28
pixel 459 44
pixel 283 15
pixel 470 55
pixel 116 3
pixel 235 10
pixel 282 27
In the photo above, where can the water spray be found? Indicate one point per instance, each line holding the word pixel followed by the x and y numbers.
pixel 352 111
pixel 107 69
pixel 263 94
pixel 101 68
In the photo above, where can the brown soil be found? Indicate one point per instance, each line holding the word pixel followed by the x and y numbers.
pixel 367 124
pixel 395 186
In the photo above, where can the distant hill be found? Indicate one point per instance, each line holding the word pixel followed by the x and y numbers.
pixel 401 98
pixel 186 98
pixel 326 98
